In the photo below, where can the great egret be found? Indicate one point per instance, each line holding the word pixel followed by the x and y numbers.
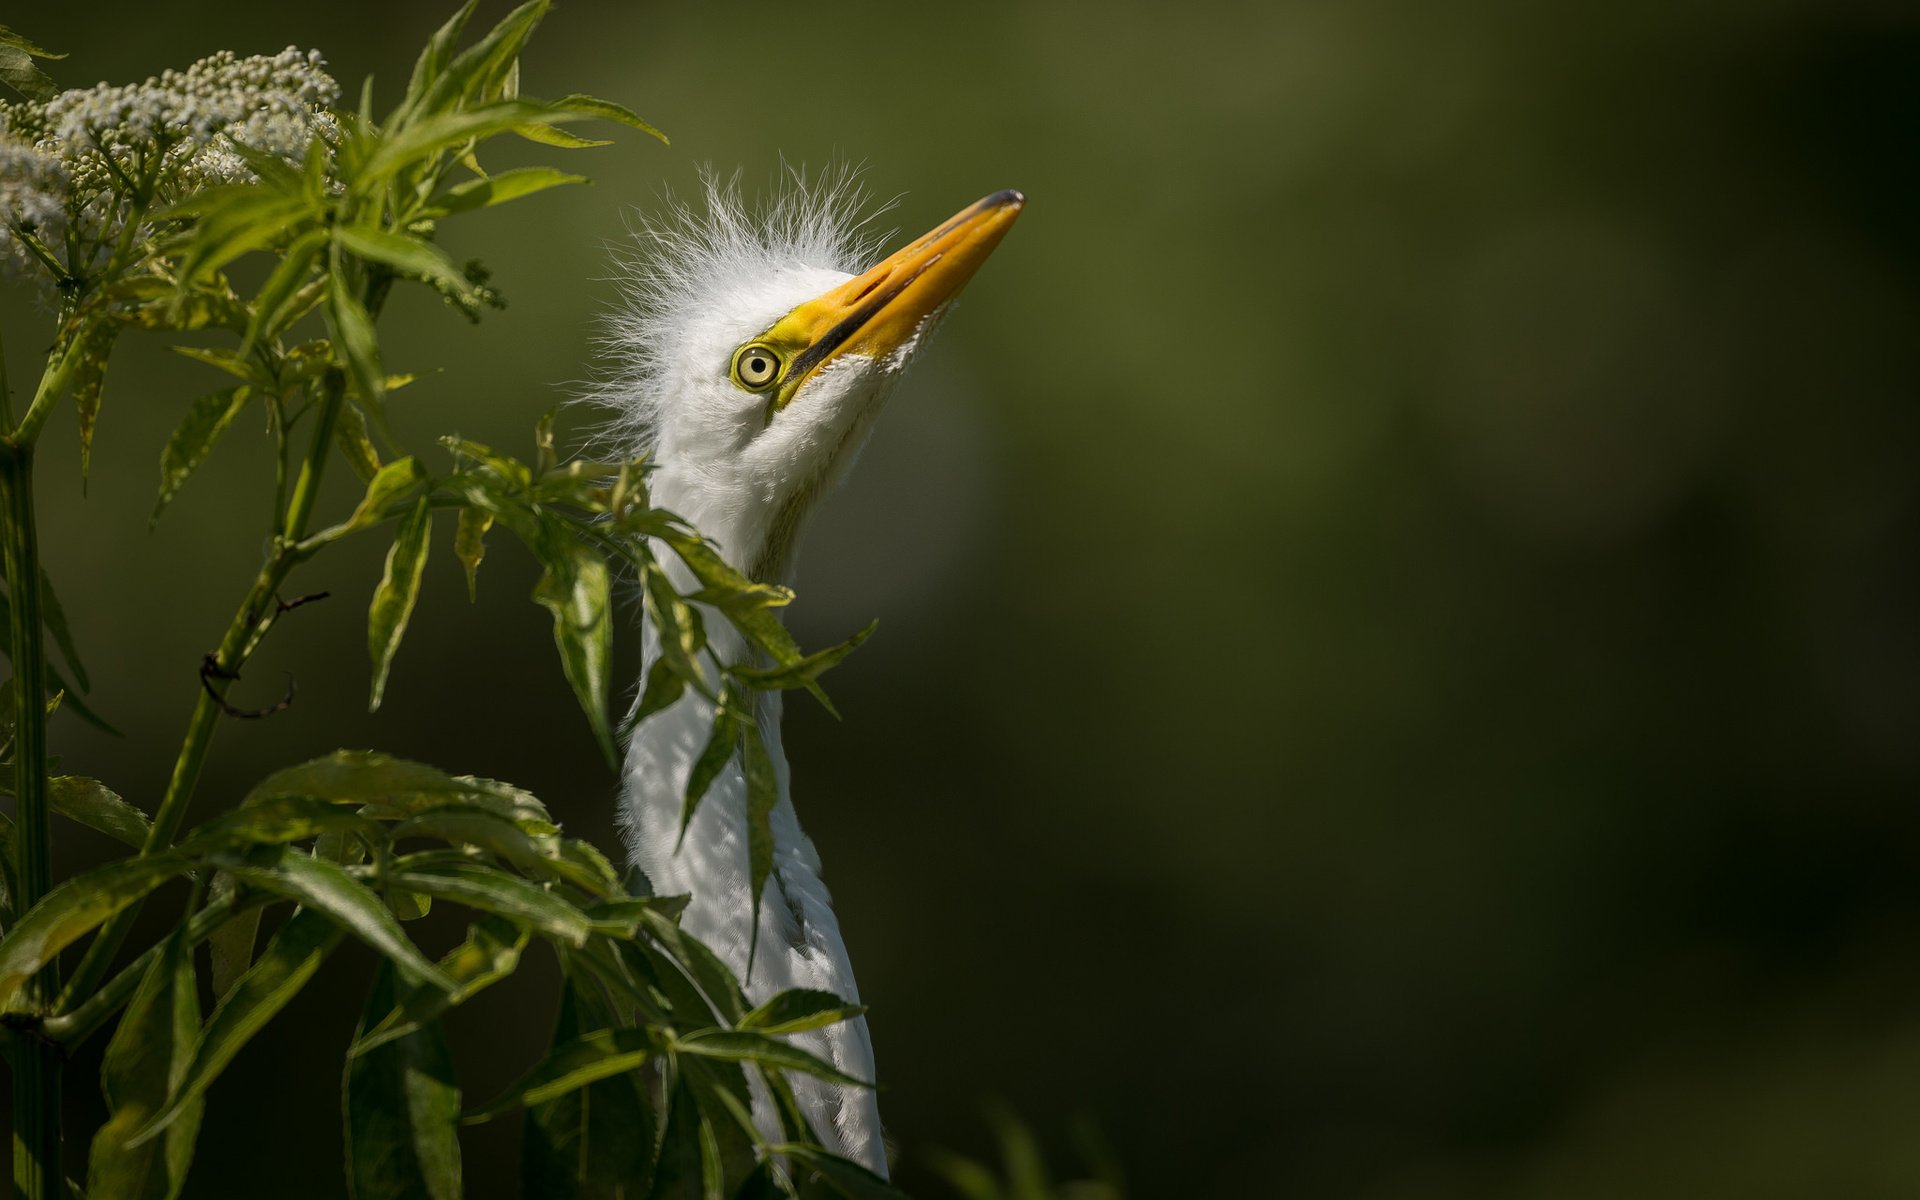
pixel 753 356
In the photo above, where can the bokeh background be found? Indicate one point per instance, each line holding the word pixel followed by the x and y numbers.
pixel 1397 666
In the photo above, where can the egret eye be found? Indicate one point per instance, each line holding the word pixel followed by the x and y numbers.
pixel 755 367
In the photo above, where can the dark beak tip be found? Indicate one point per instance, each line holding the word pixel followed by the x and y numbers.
pixel 1007 198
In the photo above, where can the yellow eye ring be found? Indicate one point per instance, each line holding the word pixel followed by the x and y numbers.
pixel 756 367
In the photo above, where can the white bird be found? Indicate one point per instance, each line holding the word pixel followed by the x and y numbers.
pixel 752 356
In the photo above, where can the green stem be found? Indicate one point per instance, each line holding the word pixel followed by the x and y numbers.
pixel 69 1029
pixel 242 637
pixel 53 383
pixel 36 1066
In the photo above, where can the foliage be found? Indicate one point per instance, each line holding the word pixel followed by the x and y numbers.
pixel 135 208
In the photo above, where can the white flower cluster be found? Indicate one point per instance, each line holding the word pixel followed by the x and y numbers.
pixel 65 166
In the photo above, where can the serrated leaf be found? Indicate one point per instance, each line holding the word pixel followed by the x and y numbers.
pixel 18 72
pixel 402 1110
pixel 745 1046
pixel 592 1143
pixel 577 589
pixel 144 1062
pixel 607 110
pixel 207 418
pixel 499 189
pixel 67 912
pixel 325 887
pixel 573 1064
pixel 394 599
pixel 797 1010
pixel 491 890
pixel 89 382
pixel 96 806
pixel 276 821
pixel 470 546
pixel 400 786
pixel 805 670
pixel 477 70
pixel 282 969
pixel 405 255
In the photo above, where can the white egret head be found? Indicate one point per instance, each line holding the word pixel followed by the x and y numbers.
pixel 755 352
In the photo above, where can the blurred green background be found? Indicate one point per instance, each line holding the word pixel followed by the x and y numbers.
pixel 1397 667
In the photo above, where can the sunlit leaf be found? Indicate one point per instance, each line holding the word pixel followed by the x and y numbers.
pixel 207 418
pixel 354 339
pixel 573 1064
pixel 400 786
pixel 393 600
pixel 402 1109
pixel 664 687
pixel 607 110
pixel 325 887
pixel 96 806
pixel 500 188
pixel 745 1046
pixel 489 889
pixel 470 546
pixel 797 1010
pixel 67 912
pixel 406 255
pixel 577 589
pixel 436 54
pixel 350 435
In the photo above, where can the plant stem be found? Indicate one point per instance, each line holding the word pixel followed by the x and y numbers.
pixel 240 641
pixel 36 1066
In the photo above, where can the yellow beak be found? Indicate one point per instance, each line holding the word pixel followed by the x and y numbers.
pixel 876 313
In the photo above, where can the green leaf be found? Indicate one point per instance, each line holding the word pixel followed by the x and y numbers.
pixel 95 805
pixel 223 360
pixel 714 757
pixel 470 546
pixel 67 912
pixel 844 1176
pixel 591 1143
pixel 401 787
pixel 799 1009
pixel 350 435
pixel 689 1164
pixel 490 953
pixel 479 69
pixel 499 189
pixel 763 794
pixel 278 302
pixel 435 55
pixel 89 380
pixel 806 670
pixel 573 1064
pixel 406 255
pixel 325 887
pixel 146 1060
pixel 230 945
pixel 489 889
pixel 283 968
pixel 607 110
pixel 54 618
pixel 422 139
pixel 577 589
pixel 390 484
pixel 18 72
pixel 353 337
pixel 393 600
pixel 664 687
pixel 402 1110
pixel 746 1046
pixel 276 821
pixel 207 418
pixel 692 957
